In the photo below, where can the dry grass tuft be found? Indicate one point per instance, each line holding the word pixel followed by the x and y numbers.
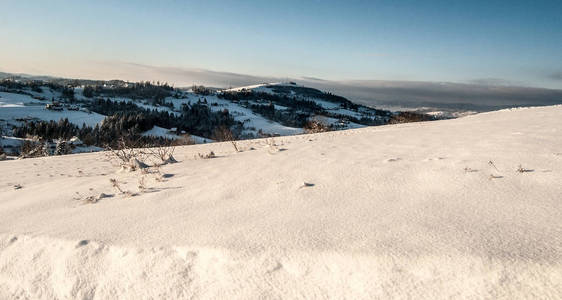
pixel 116 185
pixel 491 163
pixel 211 154
pixel 520 169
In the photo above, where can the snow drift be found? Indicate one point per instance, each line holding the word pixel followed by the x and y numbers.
pixel 463 208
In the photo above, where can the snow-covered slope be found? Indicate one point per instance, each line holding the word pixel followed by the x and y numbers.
pixel 252 121
pixel 14 107
pixel 26 103
pixel 434 210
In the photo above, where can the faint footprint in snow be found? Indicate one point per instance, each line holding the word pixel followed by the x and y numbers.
pixel 277 267
pixel 186 254
pixel 82 243
pixel 306 184
pixel 434 158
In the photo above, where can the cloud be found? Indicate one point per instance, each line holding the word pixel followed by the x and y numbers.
pixel 555 75
pixel 182 76
pixel 494 81
pixel 479 94
pixel 309 78
pixel 479 97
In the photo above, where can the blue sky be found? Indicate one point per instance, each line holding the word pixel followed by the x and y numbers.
pixel 496 42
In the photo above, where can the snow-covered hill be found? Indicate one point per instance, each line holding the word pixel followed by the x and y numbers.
pixel 275 109
pixel 464 208
pixel 16 107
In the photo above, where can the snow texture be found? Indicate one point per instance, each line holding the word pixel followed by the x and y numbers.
pixel 432 210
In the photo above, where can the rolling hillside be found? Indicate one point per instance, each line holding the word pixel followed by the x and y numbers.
pixel 462 208
pixel 36 108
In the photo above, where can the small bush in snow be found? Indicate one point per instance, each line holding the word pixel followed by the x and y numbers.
pixel 62 148
pixel 491 163
pixel 201 90
pixel 164 153
pixel 142 186
pixel 520 169
pixel 91 199
pixel 129 154
pixel 33 148
pixel 224 134
pixel 208 155
pixel 315 126
pixel 116 185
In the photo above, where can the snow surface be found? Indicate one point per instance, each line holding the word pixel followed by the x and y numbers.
pixel 200 140
pixel 251 119
pixel 331 107
pixel 17 106
pixel 140 103
pixel 408 211
pixel 14 107
pixel 163 132
pixel 337 122
pixel 158 131
pixel 262 87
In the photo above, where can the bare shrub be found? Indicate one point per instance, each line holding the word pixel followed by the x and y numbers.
pixel 224 134
pixel 129 194
pixel 33 148
pixel 63 147
pixel 520 169
pixel 272 146
pixel 211 154
pixel 130 153
pixel 116 185
pixel 3 155
pixel 235 145
pixel 142 186
pixel 127 149
pixel 201 90
pixel 133 165
pixel 408 117
pixel 91 199
pixel 315 126
pixel 185 139
pixel 491 163
pixel 164 153
pixel 158 176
